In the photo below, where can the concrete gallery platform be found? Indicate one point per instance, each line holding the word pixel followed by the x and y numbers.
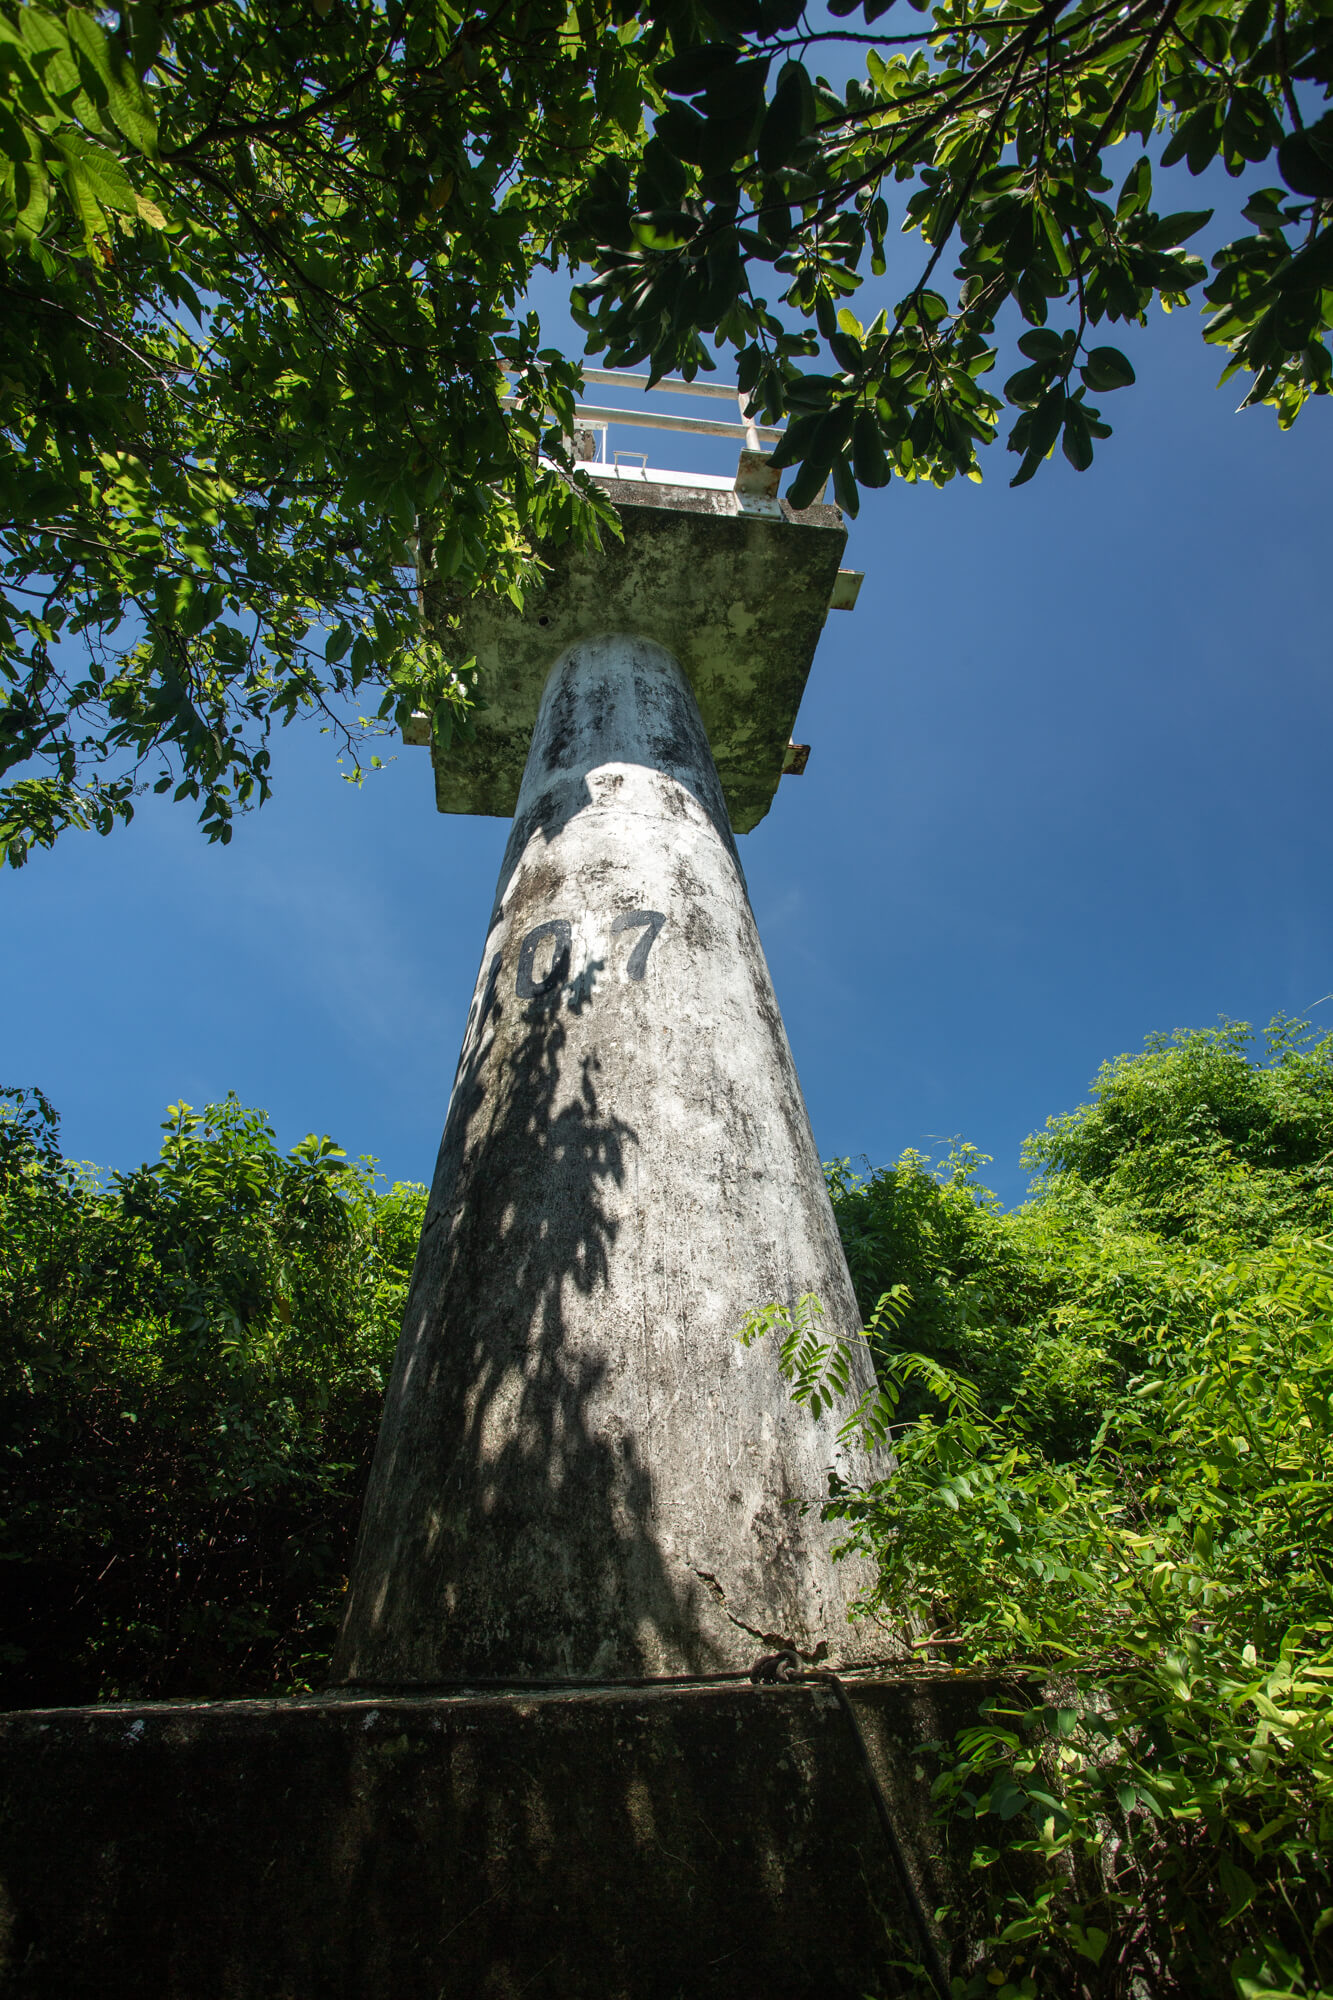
pixel 656 1843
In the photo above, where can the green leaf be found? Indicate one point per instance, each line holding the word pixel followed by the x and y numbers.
pixel 808 484
pixel 105 175
pixel 1029 385
pixel 1166 232
pixel 1107 368
pixel 869 458
pixel 1136 192
pixel 1196 140
pixel 82 194
pixel 789 117
pixel 1090 1943
pixel 32 194
pixel 53 62
pixel 1305 159
pixel 339 639
pixel 125 95
pixel 1077 444
pixel 1239 1887
pixel 698 68
pixel 845 490
pixel 1043 343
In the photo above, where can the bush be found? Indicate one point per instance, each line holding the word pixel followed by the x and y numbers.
pixel 191 1370
pixel 1112 1420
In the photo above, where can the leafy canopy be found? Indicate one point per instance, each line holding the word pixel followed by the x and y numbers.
pixel 261 267
pixel 1015 140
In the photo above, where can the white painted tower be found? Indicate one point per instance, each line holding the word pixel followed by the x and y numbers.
pixel 581 1475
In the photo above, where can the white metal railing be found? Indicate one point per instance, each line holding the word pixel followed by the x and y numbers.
pixel 617 378
pixel 598 418
pixel 651 420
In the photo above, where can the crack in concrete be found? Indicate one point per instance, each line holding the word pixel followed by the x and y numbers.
pixel 779 1640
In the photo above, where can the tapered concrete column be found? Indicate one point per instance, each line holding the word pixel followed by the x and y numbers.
pixel 581 1473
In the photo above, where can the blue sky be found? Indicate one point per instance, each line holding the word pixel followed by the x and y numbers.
pixel 1068 785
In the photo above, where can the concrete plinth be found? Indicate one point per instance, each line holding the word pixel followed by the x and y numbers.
pixel 581 1473
pixel 702 1844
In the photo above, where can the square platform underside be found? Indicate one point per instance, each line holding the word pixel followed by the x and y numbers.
pixel 738 596
pixel 655 1844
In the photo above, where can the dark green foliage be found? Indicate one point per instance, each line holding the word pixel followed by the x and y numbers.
pixel 191 1370
pixel 261 271
pixel 996 134
pixel 262 281
pixel 1123 1482
pixel 1046 1309
pixel 982 1297
pixel 1194 1140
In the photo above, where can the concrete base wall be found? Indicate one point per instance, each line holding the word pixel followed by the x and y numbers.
pixel 664 1844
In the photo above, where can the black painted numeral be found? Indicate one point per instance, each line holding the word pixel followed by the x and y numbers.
pixel 559 933
pixel 652 922
pixel 562 938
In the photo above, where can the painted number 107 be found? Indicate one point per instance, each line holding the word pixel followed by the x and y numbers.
pixel 557 934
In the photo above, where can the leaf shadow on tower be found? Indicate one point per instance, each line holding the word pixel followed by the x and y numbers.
pixel 509 1524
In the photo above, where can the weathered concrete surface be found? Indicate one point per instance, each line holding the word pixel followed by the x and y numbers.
pixel 580 1471
pixel 714 1844
pixel 738 599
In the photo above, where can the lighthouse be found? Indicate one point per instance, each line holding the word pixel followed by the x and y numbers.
pixel 581 1474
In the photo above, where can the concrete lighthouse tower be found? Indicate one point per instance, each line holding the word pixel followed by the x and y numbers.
pixel 581 1474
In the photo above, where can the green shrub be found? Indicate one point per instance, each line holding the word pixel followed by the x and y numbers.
pixel 1111 1414
pixel 191 1370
